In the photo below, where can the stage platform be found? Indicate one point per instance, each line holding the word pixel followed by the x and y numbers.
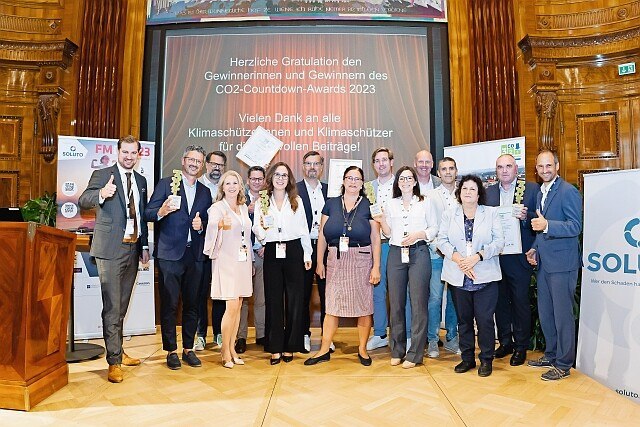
pixel 338 393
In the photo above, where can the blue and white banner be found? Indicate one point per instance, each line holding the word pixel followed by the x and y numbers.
pixel 608 339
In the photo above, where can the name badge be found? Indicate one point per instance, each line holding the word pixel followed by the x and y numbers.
pixel 344 244
pixel 243 254
pixel 375 209
pixel 128 231
pixel 404 255
pixel 281 250
pixel 267 221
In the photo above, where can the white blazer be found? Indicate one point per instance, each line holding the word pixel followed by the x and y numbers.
pixel 487 236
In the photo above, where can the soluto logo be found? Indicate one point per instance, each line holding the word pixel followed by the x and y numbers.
pixel 626 263
pixel 71 149
pixel 627 393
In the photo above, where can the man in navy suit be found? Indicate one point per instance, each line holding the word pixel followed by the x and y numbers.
pixel 313 194
pixel 179 237
pixel 120 238
pixel 556 252
pixel 513 312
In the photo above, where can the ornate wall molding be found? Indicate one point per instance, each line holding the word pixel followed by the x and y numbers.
pixel 48 110
pixel 590 18
pixel 617 43
pixel 546 107
pixel 22 24
pixel 59 53
pixel 18 123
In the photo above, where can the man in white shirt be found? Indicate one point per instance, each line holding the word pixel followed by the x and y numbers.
pixel 379 191
pixel 215 163
pixel 423 163
pixel 313 194
pixel 443 198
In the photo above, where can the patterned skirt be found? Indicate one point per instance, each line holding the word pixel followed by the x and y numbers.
pixel 348 291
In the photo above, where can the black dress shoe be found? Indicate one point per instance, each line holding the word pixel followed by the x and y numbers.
pixel 518 358
pixel 315 360
pixel 503 350
pixel 485 368
pixel 173 362
pixel 275 361
pixel 363 361
pixel 261 341
pixel 191 359
pixel 287 359
pixel 241 345
pixel 464 366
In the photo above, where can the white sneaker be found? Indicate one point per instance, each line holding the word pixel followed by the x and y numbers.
pixel 199 344
pixel 432 350
pixel 307 343
pixel 332 347
pixel 219 340
pixel 377 342
pixel 453 345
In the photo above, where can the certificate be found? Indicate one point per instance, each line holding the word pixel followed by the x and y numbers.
pixel 336 170
pixel 260 148
pixel 511 230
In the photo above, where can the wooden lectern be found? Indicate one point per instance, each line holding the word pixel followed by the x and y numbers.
pixel 36 271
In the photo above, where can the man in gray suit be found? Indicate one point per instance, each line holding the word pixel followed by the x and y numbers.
pixel 556 253
pixel 119 196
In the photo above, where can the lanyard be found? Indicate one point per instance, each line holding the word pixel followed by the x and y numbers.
pixel 349 216
pixel 240 219
pixel 278 217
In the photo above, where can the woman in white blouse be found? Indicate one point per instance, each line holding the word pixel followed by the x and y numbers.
pixel 410 221
pixel 280 224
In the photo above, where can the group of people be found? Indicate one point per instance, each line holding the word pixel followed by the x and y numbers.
pixel 386 252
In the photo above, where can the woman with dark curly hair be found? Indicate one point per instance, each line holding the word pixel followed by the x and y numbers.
pixel 471 239
pixel 280 223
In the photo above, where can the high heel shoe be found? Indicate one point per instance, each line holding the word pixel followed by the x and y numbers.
pixel 238 361
pixel 315 360
pixel 275 360
pixel 286 358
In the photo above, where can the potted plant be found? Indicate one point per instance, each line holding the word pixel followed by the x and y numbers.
pixel 41 210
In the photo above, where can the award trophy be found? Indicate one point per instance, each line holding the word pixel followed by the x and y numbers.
pixel 267 220
pixel 174 199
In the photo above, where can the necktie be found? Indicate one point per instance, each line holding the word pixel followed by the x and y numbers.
pixel 132 207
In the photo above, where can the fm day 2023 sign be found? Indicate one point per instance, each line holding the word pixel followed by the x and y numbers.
pixel 78 158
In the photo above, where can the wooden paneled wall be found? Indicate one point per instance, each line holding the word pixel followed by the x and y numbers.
pixel 572 98
pixel 483 70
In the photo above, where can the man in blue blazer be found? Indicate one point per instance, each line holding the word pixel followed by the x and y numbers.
pixel 556 252
pixel 179 242
pixel 513 312
pixel 313 194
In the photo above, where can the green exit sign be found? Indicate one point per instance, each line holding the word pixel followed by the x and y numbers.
pixel 626 69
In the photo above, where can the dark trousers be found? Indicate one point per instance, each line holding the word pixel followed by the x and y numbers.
pixel 413 279
pixel 179 277
pixel 217 307
pixel 556 296
pixel 308 287
pixel 481 306
pixel 284 298
pixel 513 312
pixel 117 277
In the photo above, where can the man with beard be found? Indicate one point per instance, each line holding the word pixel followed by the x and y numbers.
pixel 179 233
pixel 215 164
pixel 313 194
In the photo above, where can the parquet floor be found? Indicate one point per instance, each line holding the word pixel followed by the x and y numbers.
pixel 338 393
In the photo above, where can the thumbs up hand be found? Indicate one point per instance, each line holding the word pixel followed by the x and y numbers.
pixel 197 222
pixel 540 223
pixel 109 189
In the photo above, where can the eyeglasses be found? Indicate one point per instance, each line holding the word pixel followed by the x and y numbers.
pixel 281 175
pixel 353 178
pixel 193 161
pixel 312 164
pixel 216 165
pixel 256 179
pixel 405 179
